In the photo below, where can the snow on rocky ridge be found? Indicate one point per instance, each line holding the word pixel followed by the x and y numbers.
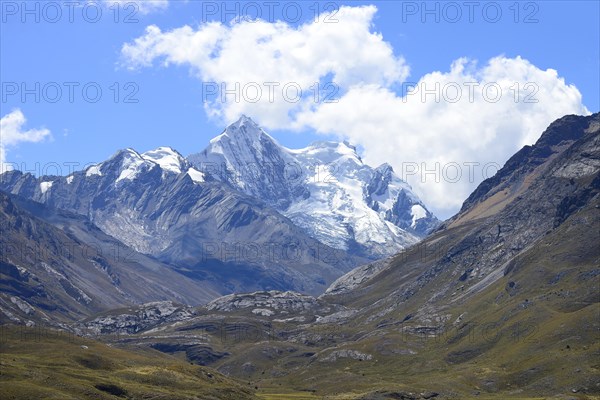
pixel 324 188
pixel 133 164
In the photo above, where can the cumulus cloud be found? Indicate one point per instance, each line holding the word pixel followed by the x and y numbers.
pixel 12 133
pixel 444 133
pixel 446 146
pixel 261 58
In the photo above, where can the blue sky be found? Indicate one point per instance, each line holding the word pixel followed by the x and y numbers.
pixel 168 107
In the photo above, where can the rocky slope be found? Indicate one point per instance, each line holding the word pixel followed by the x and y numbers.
pixel 56 266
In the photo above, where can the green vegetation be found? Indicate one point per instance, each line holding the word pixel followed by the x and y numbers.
pixel 47 364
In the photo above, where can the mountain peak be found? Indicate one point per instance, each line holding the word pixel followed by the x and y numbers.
pixel 565 129
pixel 385 169
pixel 128 164
pixel 323 151
pixel 125 153
pixel 561 133
pixel 244 130
pixel 325 189
pixel 244 125
pixel 121 157
pixel 168 159
pixel 245 120
pixel 350 146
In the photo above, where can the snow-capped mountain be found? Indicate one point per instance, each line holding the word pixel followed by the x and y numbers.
pixel 325 189
pixel 158 204
pixel 247 213
pixel 130 164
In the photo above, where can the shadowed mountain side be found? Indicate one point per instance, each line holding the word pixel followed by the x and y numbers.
pixel 57 266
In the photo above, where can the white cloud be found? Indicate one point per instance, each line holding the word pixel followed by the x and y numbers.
pixel 410 132
pixel 12 133
pixel 132 7
pixel 259 52
pixel 470 137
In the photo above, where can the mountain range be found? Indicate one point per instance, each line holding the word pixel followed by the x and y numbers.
pixel 218 227
pixel 500 301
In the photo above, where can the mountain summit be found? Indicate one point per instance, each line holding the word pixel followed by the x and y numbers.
pixel 324 188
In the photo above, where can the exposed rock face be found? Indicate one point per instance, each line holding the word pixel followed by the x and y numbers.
pixel 351 354
pixel 264 302
pixel 136 319
pixel 356 277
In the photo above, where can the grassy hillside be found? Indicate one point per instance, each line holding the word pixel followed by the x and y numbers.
pixel 37 363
